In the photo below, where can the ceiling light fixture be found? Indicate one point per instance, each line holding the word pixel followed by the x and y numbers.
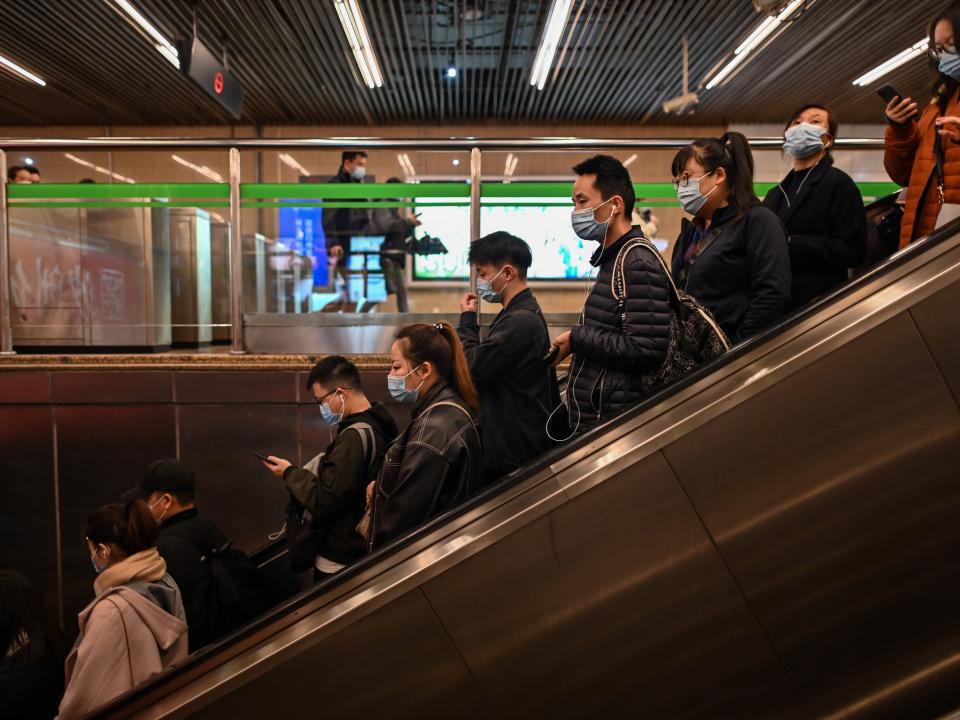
pixel 556 20
pixel 355 29
pixel 202 169
pixel 510 167
pixel 406 165
pixel 158 39
pixel 22 72
pixel 629 160
pixel 291 162
pixel 99 169
pixel 761 33
pixel 893 63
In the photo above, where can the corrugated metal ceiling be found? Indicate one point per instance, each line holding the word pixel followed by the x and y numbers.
pixel 619 60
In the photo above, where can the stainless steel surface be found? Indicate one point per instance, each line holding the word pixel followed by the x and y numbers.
pixel 191 282
pixel 6 331
pixel 542 143
pixel 220 280
pixel 776 539
pixel 476 180
pixel 236 257
pixel 936 319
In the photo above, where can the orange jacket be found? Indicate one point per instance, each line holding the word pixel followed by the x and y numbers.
pixel 909 159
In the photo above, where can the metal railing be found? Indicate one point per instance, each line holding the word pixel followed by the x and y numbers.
pixel 476 146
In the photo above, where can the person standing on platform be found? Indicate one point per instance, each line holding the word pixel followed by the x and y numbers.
pixel 516 391
pixel 341 224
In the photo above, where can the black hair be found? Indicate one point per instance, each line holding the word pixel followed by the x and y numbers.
pixel 612 178
pixel 501 248
pixel 13 170
pixel 33 169
pixel 351 155
pixel 440 345
pixel 335 370
pixel 130 526
pixel 88 181
pixel 730 152
pixel 833 125
pixel 28 635
pixel 945 85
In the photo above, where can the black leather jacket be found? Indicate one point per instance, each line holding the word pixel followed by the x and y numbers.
pixel 434 465
pixel 609 359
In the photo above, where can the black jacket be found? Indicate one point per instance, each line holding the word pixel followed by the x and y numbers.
pixel 742 276
pixel 517 393
pixel 340 224
pixel 827 226
pixel 181 543
pixel 30 690
pixel 433 466
pixel 337 498
pixel 397 233
pixel 605 375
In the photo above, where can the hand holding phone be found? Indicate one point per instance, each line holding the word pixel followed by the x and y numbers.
pixel 551 357
pixel 899 110
pixel 888 93
pixel 262 457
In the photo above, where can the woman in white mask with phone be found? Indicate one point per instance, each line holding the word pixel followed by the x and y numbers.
pixel 820 206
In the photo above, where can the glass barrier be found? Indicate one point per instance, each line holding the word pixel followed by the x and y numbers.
pixel 131 249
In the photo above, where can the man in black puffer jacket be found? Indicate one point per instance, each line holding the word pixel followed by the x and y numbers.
pixel 613 347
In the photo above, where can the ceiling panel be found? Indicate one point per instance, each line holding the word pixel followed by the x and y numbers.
pixel 618 61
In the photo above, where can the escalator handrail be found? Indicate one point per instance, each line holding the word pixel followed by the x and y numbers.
pixel 897 260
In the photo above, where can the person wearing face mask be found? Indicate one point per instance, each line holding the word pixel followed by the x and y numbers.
pixel 922 149
pixel 734 255
pixel 187 543
pixel 136 626
pixel 341 224
pixel 19 175
pixel 516 392
pixel 820 206
pixel 614 346
pixel 436 462
pixel 333 488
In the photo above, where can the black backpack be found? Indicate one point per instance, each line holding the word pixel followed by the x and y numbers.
pixel 233 587
pixel 695 337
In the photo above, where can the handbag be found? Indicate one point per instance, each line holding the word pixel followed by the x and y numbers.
pixel 695 337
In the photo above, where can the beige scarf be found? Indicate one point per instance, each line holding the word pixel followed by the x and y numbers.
pixel 144 566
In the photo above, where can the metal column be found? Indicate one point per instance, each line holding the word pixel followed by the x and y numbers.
pixel 237 346
pixel 6 331
pixel 475 187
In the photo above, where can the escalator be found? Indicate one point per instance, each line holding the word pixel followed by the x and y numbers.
pixel 777 536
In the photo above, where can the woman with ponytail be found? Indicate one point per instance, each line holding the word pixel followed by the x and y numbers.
pixel 436 462
pixel 135 627
pixel 734 255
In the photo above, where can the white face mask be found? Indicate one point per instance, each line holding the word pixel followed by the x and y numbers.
pixel 359 172
pixel 154 503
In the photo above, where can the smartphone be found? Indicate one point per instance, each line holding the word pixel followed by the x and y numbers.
pixel 888 93
pixel 262 457
pixel 551 355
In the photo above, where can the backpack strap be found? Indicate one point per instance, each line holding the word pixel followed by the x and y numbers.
pixel 368 442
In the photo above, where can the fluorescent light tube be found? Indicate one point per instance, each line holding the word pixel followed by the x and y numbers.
pixel 99 169
pixel 160 42
pixel 355 28
pixel 629 160
pixel 289 161
pixel 754 39
pixel 406 165
pixel 893 63
pixel 556 21
pixel 22 72
pixel 202 169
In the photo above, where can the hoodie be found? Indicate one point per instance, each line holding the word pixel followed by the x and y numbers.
pixel 133 629
pixel 336 494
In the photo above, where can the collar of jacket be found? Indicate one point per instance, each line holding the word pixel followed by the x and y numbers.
pixel 440 391
pixel 523 299
pixel 180 517
pixel 145 565
pixel 343 176
pixel 720 216
pixel 604 254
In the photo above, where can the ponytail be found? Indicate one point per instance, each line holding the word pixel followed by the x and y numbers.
pixel 129 526
pixel 730 152
pixel 439 345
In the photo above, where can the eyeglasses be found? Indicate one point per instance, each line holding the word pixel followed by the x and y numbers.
pixel 684 179
pixel 937 51
pixel 326 395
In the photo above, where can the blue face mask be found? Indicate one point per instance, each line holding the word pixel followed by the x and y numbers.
pixel 803 140
pixel 487 293
pixel 397 386
pixel 950 64
pixel 358 173
pixel 587 227
pixel 96 568
pixel 329 417
pixel 690 198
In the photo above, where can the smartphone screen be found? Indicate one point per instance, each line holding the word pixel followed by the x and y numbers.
pixel 262 457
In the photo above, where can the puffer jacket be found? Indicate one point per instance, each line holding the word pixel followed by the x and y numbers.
pixel 433 466
pixel 910 161
pixel 609 360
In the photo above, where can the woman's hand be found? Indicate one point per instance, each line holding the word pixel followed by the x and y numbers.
pixel 370 488
pixel 949 132
pixel 901 111
pixel 277 465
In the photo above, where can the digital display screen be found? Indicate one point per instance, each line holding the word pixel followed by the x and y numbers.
pixel 558 254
